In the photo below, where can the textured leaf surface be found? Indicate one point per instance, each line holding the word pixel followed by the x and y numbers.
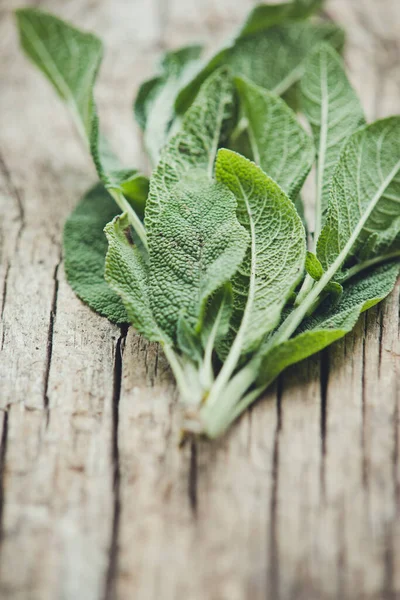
pixel 313 266
pixel 279 145
pixel 85 248
pixel 333 110
pixel 330 324
pixel 126 273
pixel 264 16
pixel 288 44
pixel 275 258
pixel 217 315
pixel 70 59
pixel 195 247
pixel 154 106
pixel 365 196
pixel 194 147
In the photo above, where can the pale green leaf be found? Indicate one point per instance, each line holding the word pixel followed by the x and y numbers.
pixel 264 16
pixel 365 197
pixel 154 106
pixel 70 59
pixel 217 316
pixel 188 341
pixel 85 249
pixel 313 266
pixel 196 245
pixel 329 325
pixel 273 59
pixel 279 144
pixel 275 258
pixel 193 149
pixel 126 272
pixel 334 112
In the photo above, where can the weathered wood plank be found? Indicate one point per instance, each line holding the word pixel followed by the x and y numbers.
pixel 299 500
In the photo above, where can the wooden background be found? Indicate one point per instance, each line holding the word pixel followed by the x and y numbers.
pixel 300 500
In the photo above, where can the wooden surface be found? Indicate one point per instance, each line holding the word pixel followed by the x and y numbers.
pixel 299 501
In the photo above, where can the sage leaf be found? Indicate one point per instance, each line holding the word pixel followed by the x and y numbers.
pixel 196 246
pixel 193 149
pixel 279 144
pixel 289 44
pixel 275 258
pixel 70 59
pixel 154 105
pixel 334 112
pixel 126 272
pixel 264 16
pixel 365 197
pixel 187 340
pixel 217 316
pixel 329 325
pixel 314 267
pixel 85 249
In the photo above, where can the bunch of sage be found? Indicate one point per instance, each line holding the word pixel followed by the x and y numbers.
pixel 209 257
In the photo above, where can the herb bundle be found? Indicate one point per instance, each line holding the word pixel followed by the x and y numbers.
pixel 209 257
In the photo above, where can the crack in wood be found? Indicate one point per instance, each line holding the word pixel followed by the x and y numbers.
pixel 192 482
pixel 112 569
pixel 274 567
pixel 50 334
pixel 3 303
pixel 3 452
pixel 14 192
pixel 364 465
pixel 381 330
pixel 324 381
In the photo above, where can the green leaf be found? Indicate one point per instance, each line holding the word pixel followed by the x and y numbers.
pixel 70 59
pixel 365 197
pixel 85 248
pixel 280 146
pixel 154 106
pixel 264 16
pixel 217 316
pixel 196 245
pixel 194 147
pixel 188 342
pixel 334 112
pixel 328 325
pixel 126 272
pixel 288 44
pixel 274 261
pixel 314 267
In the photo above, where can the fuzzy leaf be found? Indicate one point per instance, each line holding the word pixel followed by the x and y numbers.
pixel 314 267
pixel 275 258
pixel 264 16
pixel 279 145
pixel 330 324
pixel 188 342
pixel 288 44
pixel 217 315
pixel 70 59
pixel 126 273
pixel 194 147
pixel 333 110
pixel 85 249
pixel 154 105
pixel 365 196
pixel 196 245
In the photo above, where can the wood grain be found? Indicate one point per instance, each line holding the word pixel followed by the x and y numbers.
pixel 300 500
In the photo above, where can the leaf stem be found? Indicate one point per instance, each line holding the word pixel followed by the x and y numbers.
pixel 353 271
pixel 177 370
pixel 323 140
pixel 290 325
pixel 134 220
